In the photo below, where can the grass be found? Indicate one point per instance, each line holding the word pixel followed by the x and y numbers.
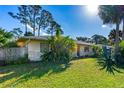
pixel 78 74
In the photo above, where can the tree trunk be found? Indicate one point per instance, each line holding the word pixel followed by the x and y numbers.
pixel 33 32
pixel 52 34
pixel 123 30
pixel 34 24
pixel 117 38
pixel 39 31
pixel 34 29
pixel 25 29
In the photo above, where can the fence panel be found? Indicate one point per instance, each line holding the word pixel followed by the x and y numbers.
pixel 12 53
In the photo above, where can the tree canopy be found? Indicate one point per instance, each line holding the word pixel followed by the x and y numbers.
pixel 37 18
pixel 112 36
pixel 5 37
pixel 97 39
pixel 111 14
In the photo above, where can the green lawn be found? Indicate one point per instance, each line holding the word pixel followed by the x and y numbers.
pixel 80 73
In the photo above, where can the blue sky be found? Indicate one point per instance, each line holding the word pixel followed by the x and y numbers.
pixel 75 20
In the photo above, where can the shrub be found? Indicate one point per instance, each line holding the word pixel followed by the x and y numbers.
pixel 97 51
pixel 120 56
pixel 61 50
pixel 121 47
pixel 54 57
pixel 11 44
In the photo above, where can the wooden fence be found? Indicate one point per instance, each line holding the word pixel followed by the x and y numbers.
pixel 12 53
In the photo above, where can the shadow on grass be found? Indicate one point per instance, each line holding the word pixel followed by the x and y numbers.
pixel 108 65
pixel 25 72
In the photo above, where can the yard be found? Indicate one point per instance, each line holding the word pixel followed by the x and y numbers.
pixel 80 73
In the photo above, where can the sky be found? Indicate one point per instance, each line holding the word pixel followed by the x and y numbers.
pixel 75 20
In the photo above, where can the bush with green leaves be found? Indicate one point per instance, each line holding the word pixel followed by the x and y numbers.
pixel 61 49
pixel 121 47
pixel 5 37
pixel 98 51
pixel 119 58
pixel 11 44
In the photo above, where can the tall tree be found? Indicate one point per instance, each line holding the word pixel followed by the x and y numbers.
pixel 111 14
pixel 37 18
pixel 34 12
pixel 99 39
pixel 22 15
pixel 44 20
pixel 123 29
pixel 122 18
pixel 54 28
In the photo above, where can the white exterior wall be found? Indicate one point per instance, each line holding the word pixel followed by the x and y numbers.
pixel 34 51
pixel 82 53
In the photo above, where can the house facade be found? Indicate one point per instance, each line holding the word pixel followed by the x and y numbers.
pixel 36 46
pixel 84 49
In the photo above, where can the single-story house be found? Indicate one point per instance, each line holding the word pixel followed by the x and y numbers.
pixel 36 45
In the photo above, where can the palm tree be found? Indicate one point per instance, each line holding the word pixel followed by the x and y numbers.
pixel 112 36
pixel 123 29
pixel 111 14
pixel 5 37
pixel 122 18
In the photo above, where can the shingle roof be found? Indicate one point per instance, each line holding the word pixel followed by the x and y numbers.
pixel 35 37
pixel 46 38
pixel 84 43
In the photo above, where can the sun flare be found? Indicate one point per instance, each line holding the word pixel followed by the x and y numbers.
pixel 92 9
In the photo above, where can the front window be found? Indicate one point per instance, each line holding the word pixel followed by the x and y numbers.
pixel 86 49
pixel 44 47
